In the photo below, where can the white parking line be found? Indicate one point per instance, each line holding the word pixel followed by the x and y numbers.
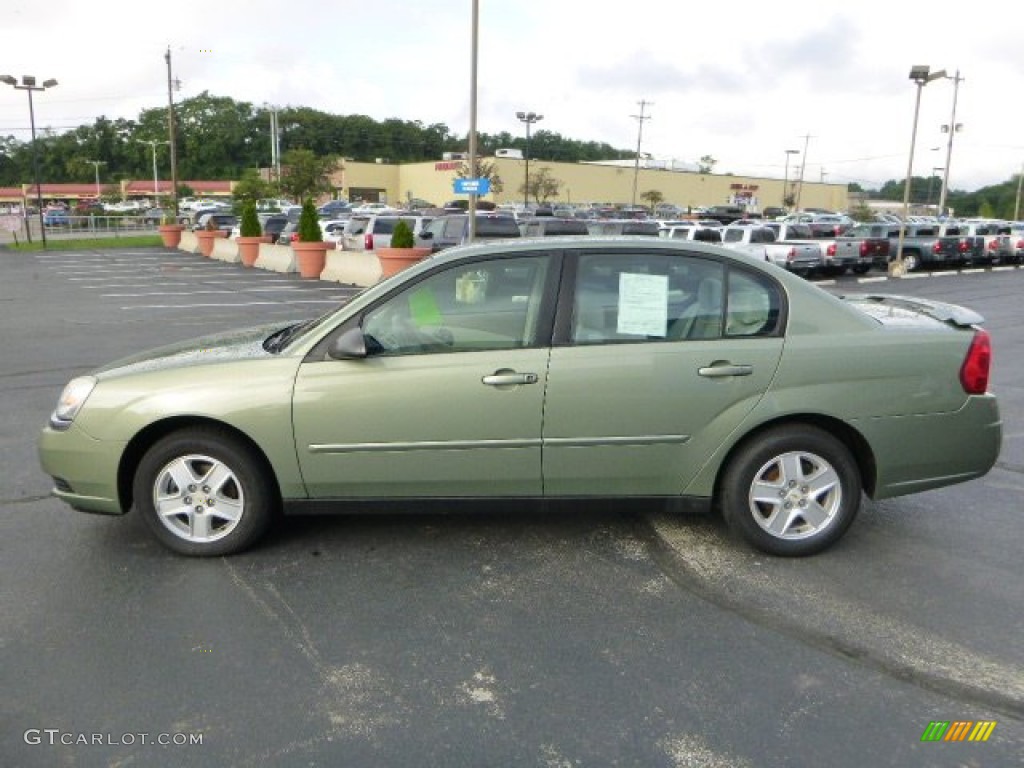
pixel 872 279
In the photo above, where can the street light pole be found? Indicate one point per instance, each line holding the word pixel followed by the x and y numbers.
pixel 28 83
pixel 639 137
pixel 931 181
pixel 96 167
pixel 920 75
pixel 785 177
pixel 953 128
pixel 529 118
pixel 156 180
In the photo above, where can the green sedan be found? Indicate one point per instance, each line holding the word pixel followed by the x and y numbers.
pixel 521 371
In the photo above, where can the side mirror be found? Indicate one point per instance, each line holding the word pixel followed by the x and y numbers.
pixel 350 345
pixel 426 235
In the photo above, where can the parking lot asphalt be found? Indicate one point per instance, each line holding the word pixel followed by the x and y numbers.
pixel 610 638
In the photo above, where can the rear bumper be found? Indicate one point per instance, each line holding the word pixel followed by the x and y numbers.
pixel 921 452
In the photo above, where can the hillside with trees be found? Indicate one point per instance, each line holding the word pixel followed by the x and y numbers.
pixel 220 138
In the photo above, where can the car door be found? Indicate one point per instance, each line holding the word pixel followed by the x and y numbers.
pixel 663 357
pixel 447 401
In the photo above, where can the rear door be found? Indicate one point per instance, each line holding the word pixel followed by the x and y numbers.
pixel 661 357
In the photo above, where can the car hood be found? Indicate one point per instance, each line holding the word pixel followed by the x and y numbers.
pixel 229 346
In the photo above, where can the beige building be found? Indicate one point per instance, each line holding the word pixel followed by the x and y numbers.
pixel 580 183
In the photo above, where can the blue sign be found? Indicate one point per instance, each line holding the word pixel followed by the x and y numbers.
pixel 472 186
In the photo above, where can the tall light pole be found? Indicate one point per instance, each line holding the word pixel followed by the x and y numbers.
pixel 921 76
pixel 953 127
pixel 28 84
pixel 529 118
pixel 639 137
pixel 803 167
pixel 785 178
pixel 171 82
pixel 1016 205
pixel 96 167
pixel 156 180
pixel 931 180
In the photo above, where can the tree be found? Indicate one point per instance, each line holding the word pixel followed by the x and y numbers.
pixel 543 186
pixel 653 197
pixel 253 187
pixel 303 174
pixel 484 170
pixel 706 164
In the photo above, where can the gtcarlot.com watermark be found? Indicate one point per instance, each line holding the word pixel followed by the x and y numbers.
pixel 55 736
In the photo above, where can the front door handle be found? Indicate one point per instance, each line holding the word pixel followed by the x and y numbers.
pixel 509 379
pixel 718 370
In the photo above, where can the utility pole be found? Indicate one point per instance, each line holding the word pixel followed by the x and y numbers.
pixel 953 128
pixel 639 137
pixel 1016 205
pixel 96 167
pixel 803 165
pixel 171 84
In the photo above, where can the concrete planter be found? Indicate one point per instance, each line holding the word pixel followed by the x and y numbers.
pixel 206 238
pixel 394 260
pixel 170 234
pixel 311 257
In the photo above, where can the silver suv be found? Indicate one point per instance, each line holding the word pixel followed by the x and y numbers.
pixel 365 232
pixel 446 231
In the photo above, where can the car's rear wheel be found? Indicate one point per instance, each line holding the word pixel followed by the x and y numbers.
pixel 861 269
pixel 791 491
pixel 202 492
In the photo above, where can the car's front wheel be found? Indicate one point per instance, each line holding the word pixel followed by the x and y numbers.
pixel 203 492
pixel 791 491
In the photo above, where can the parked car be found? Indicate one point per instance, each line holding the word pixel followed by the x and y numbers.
pixel 365 232
pixel 56 217
pixel 551 226
pixel 622 227
pixel 222 221
pixel 710 380
pixel 374 208
pixel 273 225
pixel 453 229
pixel 332 209
pixel 692 232
pixel 154 215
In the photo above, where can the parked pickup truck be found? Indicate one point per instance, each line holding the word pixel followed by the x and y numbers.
pixel 922 244
pixel 838 252
pixel 800 256
pixel 982 242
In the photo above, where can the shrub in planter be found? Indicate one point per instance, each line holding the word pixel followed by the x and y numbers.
pixel 402 236
pixel 310 249
pixel 250 235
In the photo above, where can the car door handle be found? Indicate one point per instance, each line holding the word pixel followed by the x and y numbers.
pixel 509 378
pixel 720 370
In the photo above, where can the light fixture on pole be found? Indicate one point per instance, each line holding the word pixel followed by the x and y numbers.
pixel 921 76
pixel 156 180
pixel 529 118
pixel 96 167
pixel 785 178
pixel 28 84
pixel 952 128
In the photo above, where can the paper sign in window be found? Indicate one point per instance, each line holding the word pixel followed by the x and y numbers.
pixel 643 304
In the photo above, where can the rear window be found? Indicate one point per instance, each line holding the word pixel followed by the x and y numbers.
pixel 563 228
pixel 497 226
pixel 640 228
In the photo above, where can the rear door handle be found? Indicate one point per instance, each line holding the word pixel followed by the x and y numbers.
pixel 721 370
pixel 509 378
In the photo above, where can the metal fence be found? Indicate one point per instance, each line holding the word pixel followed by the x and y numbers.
pixel 70 227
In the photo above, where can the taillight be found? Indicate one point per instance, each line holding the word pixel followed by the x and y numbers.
pixel 865 249
pixel 936 247
pixel 993 245
pixel 368 241
pixel 974 371
pixel 791 255
pixel 964 246
pixel 830 250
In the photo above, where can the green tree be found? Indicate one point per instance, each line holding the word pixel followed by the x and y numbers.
pixel 485 169
pixel 249 226
pixel 303 174
pixel 252 187
pixel 543 186
pixel 706 164
pixel 653 197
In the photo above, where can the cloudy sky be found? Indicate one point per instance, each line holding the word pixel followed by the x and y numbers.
pixel 741 81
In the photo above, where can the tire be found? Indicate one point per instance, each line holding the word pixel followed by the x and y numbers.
pixel 227 514
pixel 861 269
pixel 773 477
pixel 911 261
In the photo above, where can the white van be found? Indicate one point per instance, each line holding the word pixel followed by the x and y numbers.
pixel 515 154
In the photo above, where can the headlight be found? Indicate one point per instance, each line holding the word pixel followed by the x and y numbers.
pixel 71 401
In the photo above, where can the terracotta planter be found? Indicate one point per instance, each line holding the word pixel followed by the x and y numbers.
pixel 171 234
pixel 249 248
pixel 311 257
pixel 206 238
pixel 394 260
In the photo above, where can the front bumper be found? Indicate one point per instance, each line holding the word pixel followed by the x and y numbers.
pixel 84 469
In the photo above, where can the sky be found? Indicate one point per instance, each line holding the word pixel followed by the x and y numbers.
pixel 742 82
